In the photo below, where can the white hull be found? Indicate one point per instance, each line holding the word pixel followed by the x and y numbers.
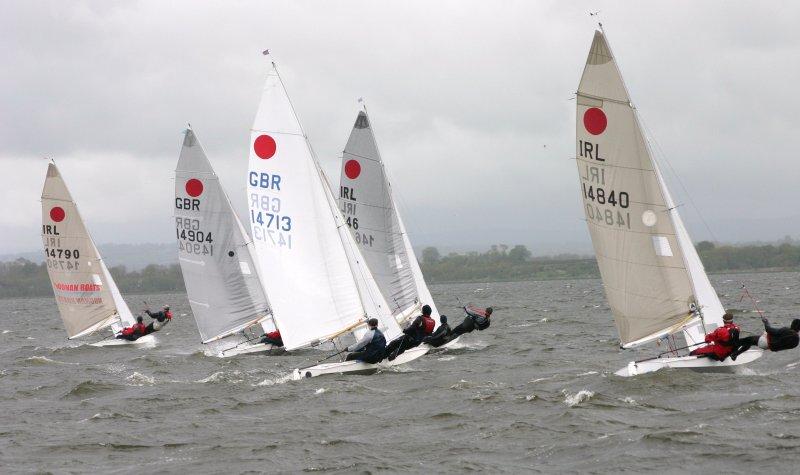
pixel 245 349
pixel 358 367
pixel 688 362
pixel 144 340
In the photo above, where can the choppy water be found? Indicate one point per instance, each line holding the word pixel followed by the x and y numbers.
pixel 534 392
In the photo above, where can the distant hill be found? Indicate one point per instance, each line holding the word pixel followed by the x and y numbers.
pixel 133 257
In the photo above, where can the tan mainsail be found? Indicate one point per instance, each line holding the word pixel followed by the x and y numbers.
pixel 627 208
pixel 80 282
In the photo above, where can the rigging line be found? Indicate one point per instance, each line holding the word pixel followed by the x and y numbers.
pixel 651 138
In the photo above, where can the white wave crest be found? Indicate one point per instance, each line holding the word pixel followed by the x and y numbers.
pixel 572 400
pixel 139 379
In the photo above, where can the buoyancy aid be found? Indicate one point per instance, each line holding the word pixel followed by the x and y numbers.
pixel 376 346
pixel 723 339
pixel 427 325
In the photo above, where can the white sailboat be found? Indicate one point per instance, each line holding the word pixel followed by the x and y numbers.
pixel 222 279
pixel 367 202
pixel 318 284
pixel 87 296
pixel 654 281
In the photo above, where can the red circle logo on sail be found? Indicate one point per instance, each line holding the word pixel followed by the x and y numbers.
pixel 57 214
pixel 595 121
pixel 264 146
pixel 194 187
pixel 352 169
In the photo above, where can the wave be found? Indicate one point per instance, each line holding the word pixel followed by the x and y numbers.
pixel 573 400
pixel 139 379
pixel 89 388
pixel 223 377
pixel 42 360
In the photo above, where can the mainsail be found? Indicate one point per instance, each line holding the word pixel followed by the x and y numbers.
pixel 370 211
pixel 314 275
pixel 653 278
pixel 87 297
pixel 221 277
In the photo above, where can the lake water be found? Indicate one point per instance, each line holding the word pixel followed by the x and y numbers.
pixel 535 392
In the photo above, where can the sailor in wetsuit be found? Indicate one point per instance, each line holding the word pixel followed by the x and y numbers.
pixel 159 319
pixel 475 318
pixel 441 335
pixel 421 327
pixel 133 332
pixel 773 338
pixel 370 348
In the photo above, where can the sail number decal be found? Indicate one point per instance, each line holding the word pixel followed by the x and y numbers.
pixel 191 239
pixel 267 221
pixel 56 257
pixel 603 205
pixel 349 208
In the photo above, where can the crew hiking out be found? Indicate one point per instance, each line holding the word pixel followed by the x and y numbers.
pixel 159 319
pixel 773 338
pixel 474 317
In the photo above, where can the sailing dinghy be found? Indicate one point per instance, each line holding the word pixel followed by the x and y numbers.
pixel 370 211
pixel 214 251
pixel 87 297
pixel 654 281
pixel 319 286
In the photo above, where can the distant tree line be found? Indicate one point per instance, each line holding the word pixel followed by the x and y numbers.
pixel 23 278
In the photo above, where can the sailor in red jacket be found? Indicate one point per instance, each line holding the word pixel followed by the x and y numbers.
pixel 132 333
pixel 721 341
pixel 273 338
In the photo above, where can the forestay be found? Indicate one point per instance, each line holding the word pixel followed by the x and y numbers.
pixel 300 246
pixel 632 221
pixel 369 209
pixel 221 277
pixel 87 297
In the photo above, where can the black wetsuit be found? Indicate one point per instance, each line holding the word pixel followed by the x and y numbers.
pixel 470 323
pixel 439 337
pixel 412 336
pixel 778 339
pixel 161 317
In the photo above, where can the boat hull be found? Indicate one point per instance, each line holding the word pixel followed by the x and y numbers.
pixel 359 367
pixel 694 363
pixel 144 340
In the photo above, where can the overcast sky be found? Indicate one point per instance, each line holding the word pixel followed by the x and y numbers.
pixel 470 102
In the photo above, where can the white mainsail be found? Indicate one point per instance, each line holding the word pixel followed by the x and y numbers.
pixel 87 297
pixel 221 277
pixel 314 275
pixel 370 211
pixel 653 278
